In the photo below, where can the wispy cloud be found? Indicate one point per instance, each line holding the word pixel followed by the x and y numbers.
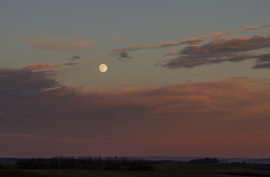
pixel 70 46
pixel 95 61
pixel 185 41
pixel 71 63
pixel 118 85
pixel 40 66
pixel 254 27
pixel 57 43
pixel 45 38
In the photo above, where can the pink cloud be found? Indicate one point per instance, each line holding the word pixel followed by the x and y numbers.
pixel 41 66
pixel 254 27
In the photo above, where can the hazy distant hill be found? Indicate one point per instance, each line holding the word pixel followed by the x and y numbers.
pixel 229 160
pixel 246 160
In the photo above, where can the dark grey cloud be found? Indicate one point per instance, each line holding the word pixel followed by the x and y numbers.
pixel 26 81
pixel 220 50
pixel 20 88
pixel 76 57
pixel 124 56
pixel 228 45
pixel 262 65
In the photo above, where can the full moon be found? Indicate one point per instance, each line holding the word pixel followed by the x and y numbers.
pixel 103 68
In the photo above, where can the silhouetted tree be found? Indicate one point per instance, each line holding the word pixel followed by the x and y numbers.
pixel 86 163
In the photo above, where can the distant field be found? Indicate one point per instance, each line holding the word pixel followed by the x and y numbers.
pixel 161 170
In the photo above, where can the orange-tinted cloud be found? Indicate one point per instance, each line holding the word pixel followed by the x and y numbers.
pixel 41 66
pixel 254 27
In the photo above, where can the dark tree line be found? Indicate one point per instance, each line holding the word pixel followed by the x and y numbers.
pixel 86 163
pixel 204 160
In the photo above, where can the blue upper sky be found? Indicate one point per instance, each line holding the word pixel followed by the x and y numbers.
pixel 116 24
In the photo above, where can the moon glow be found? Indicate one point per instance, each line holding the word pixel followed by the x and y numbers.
pixel 103 68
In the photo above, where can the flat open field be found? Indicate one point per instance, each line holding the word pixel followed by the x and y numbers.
pixel 161 170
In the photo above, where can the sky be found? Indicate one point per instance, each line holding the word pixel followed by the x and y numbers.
pixel 185 78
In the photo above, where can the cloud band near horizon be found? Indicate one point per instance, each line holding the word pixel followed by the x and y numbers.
pixel 177 118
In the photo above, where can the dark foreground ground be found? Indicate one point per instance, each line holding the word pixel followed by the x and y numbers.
pixel 160 170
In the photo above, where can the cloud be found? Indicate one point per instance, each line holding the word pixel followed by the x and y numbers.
pixel 234 44
pixel 95 61
pixel 263 65
pixel 27 81
pixel 124 56
pixel 171 53
pixel 40 66
pixel 254 27
pixel 73 60
pixel 220 50
pixel 185 41
pixel 45 38
pixel 163 45
pixel 75 57
pixel 70 46
pixel 57 43
pixel 71 63
pixel 220 113
pixel 118 85
pixel 87 62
